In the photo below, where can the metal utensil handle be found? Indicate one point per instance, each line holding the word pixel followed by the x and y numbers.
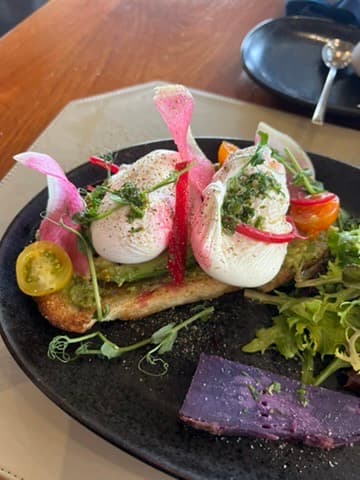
pixel 318 116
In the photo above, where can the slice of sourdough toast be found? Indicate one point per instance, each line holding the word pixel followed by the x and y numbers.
pixel 131 303
pixel 137 300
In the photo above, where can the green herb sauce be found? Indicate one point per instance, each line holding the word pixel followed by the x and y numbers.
pixel 241 190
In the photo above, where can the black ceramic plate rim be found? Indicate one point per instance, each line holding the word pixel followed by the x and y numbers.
pixel 246 43
pixel 97 427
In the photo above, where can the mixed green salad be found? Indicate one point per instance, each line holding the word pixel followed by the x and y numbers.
pixel 318 320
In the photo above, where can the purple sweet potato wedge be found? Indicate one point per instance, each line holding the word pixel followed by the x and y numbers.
pixel 229 398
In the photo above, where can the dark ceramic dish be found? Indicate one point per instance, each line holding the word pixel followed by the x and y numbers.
pixel 138 413
pixel 284 56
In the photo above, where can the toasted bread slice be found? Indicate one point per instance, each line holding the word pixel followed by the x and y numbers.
pixel 125 303
pixel 135 301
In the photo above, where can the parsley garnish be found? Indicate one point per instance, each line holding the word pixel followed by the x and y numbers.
pixel 241 190
pixel 258 157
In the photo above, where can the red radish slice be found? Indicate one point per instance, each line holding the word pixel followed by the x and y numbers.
pixel 175 105
pixel 304 201
pixel 268 237
pixel 99 162
pixel 64 201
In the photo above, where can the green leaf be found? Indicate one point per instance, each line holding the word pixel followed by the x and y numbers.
pixel 351 276
pixel 168 343
pixel 264 138
pixel 158 336
pixel 350 314
pixel 278 335
pixel 345 246
pixel 110 350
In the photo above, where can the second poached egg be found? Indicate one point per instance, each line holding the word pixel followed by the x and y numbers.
pixel 234 258
pixel 117 239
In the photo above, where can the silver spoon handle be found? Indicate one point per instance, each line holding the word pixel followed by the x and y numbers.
pixel 318 116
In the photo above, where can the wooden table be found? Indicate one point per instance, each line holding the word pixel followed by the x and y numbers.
pixel 74 48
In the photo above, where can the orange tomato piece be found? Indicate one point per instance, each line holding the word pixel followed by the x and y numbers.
pixel 225 149
pixel 312 219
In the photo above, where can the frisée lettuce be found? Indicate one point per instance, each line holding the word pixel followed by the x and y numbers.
pixel 318 322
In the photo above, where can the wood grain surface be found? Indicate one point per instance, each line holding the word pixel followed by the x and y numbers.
pixel 70 49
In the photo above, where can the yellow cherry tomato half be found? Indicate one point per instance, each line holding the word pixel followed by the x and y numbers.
pixel 312 219
pixel 225 149
pixel 43 268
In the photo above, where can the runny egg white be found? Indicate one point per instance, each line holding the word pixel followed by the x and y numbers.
pixel 234 258
pixel 117 239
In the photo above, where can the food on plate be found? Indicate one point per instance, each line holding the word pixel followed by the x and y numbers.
pixel 173 228
pixel 146 236
pixel 151 223
pixel 43 268
pixel 320 329
pixel 243 192
pixel 230 398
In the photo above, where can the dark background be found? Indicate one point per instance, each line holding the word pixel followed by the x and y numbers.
pixel 13 11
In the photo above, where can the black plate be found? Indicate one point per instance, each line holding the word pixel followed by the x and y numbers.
pixel 138 413
pixel 284 56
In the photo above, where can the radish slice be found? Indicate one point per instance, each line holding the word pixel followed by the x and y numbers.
pixel 63 202
pixel 268 237
pixel 175 105
pixel 305 201
pixel 99 162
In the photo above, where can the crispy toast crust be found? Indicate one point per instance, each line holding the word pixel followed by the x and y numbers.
pixel 62 314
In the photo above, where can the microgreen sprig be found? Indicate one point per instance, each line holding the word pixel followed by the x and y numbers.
pixel 300 177
pixel 258 157
pixel 66 349
pixel 87 250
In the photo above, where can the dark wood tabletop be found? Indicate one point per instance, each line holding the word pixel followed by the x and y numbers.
pixel 70 49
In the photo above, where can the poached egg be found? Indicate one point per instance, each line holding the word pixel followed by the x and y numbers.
pixel 117 239
pixel 234 258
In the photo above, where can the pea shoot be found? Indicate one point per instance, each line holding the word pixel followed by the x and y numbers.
pixel 66 349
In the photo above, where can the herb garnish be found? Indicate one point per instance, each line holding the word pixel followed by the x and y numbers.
pixel 300 177
pixel 258 158
pixel 274 387
pixel 241 190
pixel 253 391
pixel 97 344
pixel 86 248
pixel 128 195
